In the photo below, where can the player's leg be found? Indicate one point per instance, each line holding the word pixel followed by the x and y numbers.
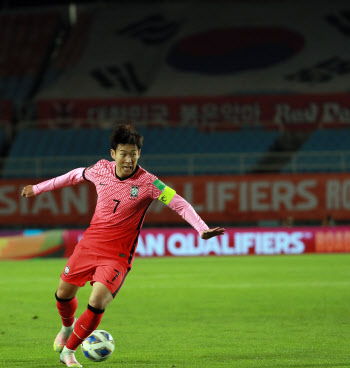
pixel 91 318
pixel 86 323
pixel 67 304
pixel 78 271
pixel 107 281
pixel 66 290
pixel 100 296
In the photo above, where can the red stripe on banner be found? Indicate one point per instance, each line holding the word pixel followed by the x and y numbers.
pixel 216 199
pixel 307 111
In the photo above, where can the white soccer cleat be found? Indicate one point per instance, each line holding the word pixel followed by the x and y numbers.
pixel 68 358
pixel 61 339
pixel 60 342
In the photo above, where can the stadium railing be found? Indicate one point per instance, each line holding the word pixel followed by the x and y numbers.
pixel 185 164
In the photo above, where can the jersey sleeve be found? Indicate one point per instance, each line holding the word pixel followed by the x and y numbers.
pixel 92 173
pixel 187 212
pixel 169 197
pixel 70 178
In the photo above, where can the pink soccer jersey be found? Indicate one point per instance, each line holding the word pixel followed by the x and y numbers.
pixel 122 202
pixel 120 210
pixel 121 207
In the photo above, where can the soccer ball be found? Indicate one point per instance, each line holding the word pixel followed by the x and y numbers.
pixel 98 346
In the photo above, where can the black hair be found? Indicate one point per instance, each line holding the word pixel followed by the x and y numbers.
pixel 125 134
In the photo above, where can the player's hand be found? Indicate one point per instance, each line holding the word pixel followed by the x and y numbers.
pixel 27 191
pixel 207 234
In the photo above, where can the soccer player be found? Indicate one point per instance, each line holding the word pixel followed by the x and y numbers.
pixel 105 253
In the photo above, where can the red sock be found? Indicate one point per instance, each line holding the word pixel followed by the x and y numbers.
pixel 66 309
pixel 85 324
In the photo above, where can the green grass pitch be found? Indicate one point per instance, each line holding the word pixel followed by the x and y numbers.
pixel 237 312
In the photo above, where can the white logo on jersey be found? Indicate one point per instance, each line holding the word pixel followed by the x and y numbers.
pixel 66 270
pixel 134 192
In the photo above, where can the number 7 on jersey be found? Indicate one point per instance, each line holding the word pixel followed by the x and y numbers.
pixel 116 206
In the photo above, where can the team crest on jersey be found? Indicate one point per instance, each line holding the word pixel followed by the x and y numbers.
pixel 134 192
pixel 66 270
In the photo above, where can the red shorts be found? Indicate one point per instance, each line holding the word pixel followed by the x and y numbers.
pixel 83 267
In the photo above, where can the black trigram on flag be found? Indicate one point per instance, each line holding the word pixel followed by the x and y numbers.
pixel 151 30
pixel 123 76
pixel 340 20
pixel 322 71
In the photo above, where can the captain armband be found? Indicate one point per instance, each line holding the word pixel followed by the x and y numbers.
pixel 167 193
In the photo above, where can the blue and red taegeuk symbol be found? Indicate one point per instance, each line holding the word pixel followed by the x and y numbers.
pixel 232 50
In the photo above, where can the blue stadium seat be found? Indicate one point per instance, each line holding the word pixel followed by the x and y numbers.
pixel 323 152
pixel 65 149
pixel 2 139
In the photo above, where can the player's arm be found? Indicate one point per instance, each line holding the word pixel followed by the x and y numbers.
pixel 169 197
pixel 70 178
pixel 187 212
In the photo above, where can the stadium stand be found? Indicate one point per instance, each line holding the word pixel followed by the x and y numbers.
pixel 24 43
pixel 2 139
pixel 324 151
pixel 111 51
pixel 54 151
